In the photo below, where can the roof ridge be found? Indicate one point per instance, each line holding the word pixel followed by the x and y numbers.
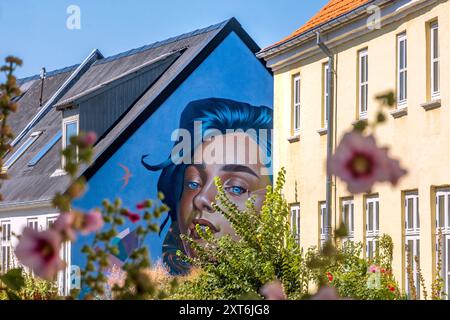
pixel 48 74
pixel 163 42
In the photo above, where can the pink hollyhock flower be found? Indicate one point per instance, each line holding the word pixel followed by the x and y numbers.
pixel 391 288
pixel 40 252
pixel 326 293
pixel 273 291
pixel 89 138
pixel 373 269
pixel 133 217
pixel 93 221
pixel 360 163
pixel 65 225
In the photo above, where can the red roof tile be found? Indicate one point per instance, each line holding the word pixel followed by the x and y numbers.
pixel 330 11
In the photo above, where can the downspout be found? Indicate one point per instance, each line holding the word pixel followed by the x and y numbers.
pixel 330 121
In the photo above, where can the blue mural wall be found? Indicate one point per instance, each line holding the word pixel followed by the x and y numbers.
pixel 230 72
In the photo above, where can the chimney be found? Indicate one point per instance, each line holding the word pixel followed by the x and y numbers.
pixel 43 75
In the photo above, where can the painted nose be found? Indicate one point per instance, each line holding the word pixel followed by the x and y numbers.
pixel 205 198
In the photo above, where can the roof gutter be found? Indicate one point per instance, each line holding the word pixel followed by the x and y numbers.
pixel 320 28
pixel 23 205
pixel 91 58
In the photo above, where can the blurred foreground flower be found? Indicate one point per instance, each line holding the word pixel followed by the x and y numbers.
pixel 64 225
pixel 92 222
pixel 360 163
pixel 326 293
pixel 273 291
pixel 40 252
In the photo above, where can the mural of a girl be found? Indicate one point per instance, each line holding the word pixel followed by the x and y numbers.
pixel 188 186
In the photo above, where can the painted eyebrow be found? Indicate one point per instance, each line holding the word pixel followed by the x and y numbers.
pixel 198 166
pixel 239 168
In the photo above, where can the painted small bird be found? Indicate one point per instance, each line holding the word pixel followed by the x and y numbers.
pixel 126 177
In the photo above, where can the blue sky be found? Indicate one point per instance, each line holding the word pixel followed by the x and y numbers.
pixel 36 30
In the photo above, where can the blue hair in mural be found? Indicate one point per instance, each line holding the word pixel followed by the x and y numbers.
pixel 188 186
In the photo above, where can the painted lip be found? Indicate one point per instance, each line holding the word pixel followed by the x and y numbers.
pixel 202 222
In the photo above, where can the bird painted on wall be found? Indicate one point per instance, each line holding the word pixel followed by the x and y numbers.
pixel 126 177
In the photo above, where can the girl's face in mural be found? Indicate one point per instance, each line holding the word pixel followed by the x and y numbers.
pixel 241 180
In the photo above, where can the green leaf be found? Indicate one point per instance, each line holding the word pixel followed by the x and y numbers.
pixel 13 279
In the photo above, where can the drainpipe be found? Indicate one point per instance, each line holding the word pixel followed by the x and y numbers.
pixel 330 85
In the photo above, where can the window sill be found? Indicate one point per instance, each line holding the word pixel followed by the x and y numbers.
pixel 294 138
pixel 322 131
pixel 398 113
pixel 431 105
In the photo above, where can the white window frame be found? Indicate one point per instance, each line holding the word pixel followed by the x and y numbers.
pixel 5 246
pixel 350 204
pixel 33 223
pixel 412 234
pixel 325 231
pixel 297 103
pixel 67 121
pixel 363 83
pixel 402 89
pixel 50 221
pixel 326 92
pixel 434 59
pixel 373 234
pixel 63 276
pixel 445 228
pixel 295 221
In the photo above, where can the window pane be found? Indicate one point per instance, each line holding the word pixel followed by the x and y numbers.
pixel 410 216
pixel 448 210
pixel 436 76
pixel 406 85
pixel 370 217
pixel 401 63
pixel 71 130
pixel 418 247
pixel 377 216
pixel 363 69
pixel 435 43
pixel 401 86
pixel 410 249
pixel 352 218
pixel 417 212
pixel 440 214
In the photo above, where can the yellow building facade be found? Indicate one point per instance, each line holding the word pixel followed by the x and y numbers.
pixel 377 46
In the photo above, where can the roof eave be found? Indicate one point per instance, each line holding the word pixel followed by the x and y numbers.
pixel 267 53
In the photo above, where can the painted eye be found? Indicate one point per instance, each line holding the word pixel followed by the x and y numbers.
pixel 193 185
pixel 236 190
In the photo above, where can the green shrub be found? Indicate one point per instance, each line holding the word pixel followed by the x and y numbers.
pixel 266 250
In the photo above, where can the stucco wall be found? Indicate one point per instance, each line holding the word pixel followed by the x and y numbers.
pixel 421 138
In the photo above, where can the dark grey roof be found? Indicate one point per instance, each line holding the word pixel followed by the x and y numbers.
pixel 34 183
pixel 28 104
pixel 104 70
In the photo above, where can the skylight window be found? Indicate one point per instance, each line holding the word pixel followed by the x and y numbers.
pixel 21 150
pixel 45 149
